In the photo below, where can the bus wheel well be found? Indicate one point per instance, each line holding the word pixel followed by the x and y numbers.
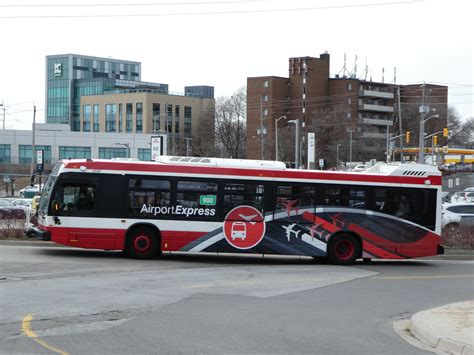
pixel 155 231
pixel 353 234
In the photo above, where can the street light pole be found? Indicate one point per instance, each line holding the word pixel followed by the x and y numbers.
pixel 422 136
pixel 297 141
pixel 276 136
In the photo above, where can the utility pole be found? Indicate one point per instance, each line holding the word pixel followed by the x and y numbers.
pixel 402 158
pixel 33 155
pixel 262 130
pixel 297 142
pixel 422 127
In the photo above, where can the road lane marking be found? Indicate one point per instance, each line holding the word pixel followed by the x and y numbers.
pixel 419 277
pixel 26 328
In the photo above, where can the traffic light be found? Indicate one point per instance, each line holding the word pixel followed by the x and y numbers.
pixel 435 140
pixel 407 137
pixel 445 132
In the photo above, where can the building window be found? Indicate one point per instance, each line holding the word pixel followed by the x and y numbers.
pixel 25 153
pixel 96 118
pixel 265 98
pixel 349 86
pixel 76 123
pixel 74 152
pixel 120 118
pixel 156 118
pixel 5 154
pixel 265 112
pixel 349 101
pixel 144 154
pixel 129 114
pixel 265 84
pixel 139 127
pixel 349 115
pixel 86 118
pixel 109 153
pixel 187 120
pixel 110 117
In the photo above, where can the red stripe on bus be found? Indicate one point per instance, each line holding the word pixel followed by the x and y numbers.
pixel 288 174
pixel 114 239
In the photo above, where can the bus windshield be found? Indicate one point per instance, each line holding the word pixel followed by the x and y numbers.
pixel 48 188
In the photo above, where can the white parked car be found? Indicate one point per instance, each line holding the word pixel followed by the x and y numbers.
pixel 456 214
pixel 30 191
pixel 361 167
pixel 462 196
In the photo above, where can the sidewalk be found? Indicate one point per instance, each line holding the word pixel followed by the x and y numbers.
pixel 447 329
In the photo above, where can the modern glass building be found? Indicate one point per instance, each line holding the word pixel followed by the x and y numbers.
pixel 71 76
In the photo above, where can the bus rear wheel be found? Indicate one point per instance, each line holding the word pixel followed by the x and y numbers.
pixel 142 243
pixel 343 249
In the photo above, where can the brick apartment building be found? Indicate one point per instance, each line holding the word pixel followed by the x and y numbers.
pixel 332 108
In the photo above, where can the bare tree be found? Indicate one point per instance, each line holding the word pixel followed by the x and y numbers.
pixel 230 124
pixel 461 134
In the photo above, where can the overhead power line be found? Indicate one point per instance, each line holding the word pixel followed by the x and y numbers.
pixel 126 4
pixel 228 12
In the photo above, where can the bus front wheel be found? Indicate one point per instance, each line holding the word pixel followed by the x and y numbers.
pixel 142 243
pixel 343 249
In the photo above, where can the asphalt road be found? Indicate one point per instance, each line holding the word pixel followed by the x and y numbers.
pixel 61 300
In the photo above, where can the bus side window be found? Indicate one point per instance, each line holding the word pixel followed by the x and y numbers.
pixel 295 199
pixel 146 194
pixel 237 194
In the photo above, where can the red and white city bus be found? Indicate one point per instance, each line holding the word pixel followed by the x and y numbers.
pixel 391 211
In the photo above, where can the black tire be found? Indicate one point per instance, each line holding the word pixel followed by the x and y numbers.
pixel 142 243
pixel 343 249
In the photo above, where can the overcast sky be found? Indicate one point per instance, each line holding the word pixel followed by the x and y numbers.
pixel 221 43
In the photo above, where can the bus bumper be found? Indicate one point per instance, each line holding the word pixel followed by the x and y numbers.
pixel 440 250
pixel 37 233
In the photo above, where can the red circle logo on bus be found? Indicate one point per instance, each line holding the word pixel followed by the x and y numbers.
pixel 244 227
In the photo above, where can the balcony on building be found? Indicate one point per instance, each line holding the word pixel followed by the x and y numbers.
pixel 377 121
pixel 377 93
pixel 376 107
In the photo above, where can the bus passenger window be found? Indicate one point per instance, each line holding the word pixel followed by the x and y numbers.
pixel 243 194
pixel 148 196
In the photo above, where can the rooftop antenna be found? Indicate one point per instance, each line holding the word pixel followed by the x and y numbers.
pixel 370 74
pixel 394 75
pixel 355 67
pixel 383 74
pixel 365 72
pixel 344 68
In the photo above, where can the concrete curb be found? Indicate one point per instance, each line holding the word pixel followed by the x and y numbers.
pixel 28 243
pixel 446 329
